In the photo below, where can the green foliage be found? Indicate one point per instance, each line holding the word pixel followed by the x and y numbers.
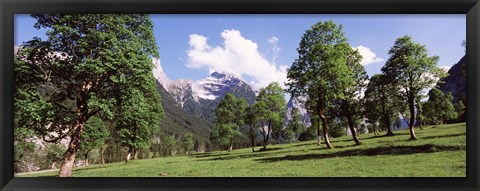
pixel 338 127
pixel 270 110
pixel 411 69
pixel 296 124
pixel 94 135
pixel 187 142
pixel 89 64
pixel 230 115
pixel 381 101
pixel 439 108
pixel 54 154
pixel 169 144
pixel 460 109
pixel 321 73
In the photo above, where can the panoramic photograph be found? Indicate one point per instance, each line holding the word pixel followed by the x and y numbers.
pixel 317 95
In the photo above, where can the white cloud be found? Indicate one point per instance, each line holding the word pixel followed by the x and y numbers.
pixel 369 57
pixel 237 55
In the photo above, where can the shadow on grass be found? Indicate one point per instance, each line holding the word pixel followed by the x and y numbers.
pixel 206 155
pixel 396 150
pixel 444 136
pixel 374 137
pixel 248 155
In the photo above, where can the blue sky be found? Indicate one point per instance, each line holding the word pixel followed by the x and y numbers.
pixel 258 48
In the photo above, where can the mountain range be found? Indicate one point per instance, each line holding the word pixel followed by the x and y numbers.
pixel 200 98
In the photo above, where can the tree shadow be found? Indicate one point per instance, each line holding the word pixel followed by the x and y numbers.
pixel 375 137
pixel 444 136
pixel 206 155
pixel 244 156
pixel 395 150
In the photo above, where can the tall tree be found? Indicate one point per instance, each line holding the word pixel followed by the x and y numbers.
pixel 138 118
pixel 82 64
pixel 350 105
pixel 320 73
pixel 251 120
pixel 411 69
pixel 271 111
pixel 187 142
pixel 230 115
pixel 439 107
pixel 296 123
pixel 94 136
pixel 380 102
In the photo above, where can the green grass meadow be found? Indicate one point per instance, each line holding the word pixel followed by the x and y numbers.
pixel 440 151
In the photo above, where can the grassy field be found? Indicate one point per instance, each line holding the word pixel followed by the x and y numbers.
pixel 439 152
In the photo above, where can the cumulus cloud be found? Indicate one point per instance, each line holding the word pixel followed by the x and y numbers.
pixel 369 57
pixel 236 55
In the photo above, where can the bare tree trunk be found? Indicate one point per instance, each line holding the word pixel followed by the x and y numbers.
pixel 102 157
pixel 53 165
pixel 129 154
pixel 411 106
pixel 269 129
pixel 230 147
pixel 388 124
pixel 325 130
pixel 319 133
pixel 253 142
pixel 135 154
pixel 86 158
pixel 69 157
pixel 353 130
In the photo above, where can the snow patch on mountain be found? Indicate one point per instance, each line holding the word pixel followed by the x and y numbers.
pixel 299 103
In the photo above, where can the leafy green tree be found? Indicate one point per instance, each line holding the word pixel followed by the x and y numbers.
pixel 350 105
pixel 169 144
pixel 187 142
pixel 380 102
pixel 411 69
pixel 460 109
pixel 251 121
pixel 82 68
pixel 95 134
pixel 138 119
pixel 54 155
pixel 296 124
pixel 439 107
pixel 230 115
pixel 271 106
pixel 320 73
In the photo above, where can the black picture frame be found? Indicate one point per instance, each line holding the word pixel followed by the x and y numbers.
pixel 10 7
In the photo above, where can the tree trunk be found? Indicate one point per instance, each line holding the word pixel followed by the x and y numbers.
pixel 135 154
pixel 230 147
pixel 265 143
pixel 128 156
pixel 325 130
pixel 53 165
pixel 411 106
pixel 102 157
pixel 253 143
pixel 319 133
pixel 353 130
pixel 69 157
pixel 388 123
pixel 86 158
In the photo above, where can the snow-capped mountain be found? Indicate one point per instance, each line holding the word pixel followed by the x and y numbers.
pixel 299 103
pixel 201 97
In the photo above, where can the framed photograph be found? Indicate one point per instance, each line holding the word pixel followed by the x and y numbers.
pixel 229 95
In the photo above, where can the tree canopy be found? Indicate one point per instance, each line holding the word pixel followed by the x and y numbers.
pixel 411 69
pixel 320 73
pixel 81 70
